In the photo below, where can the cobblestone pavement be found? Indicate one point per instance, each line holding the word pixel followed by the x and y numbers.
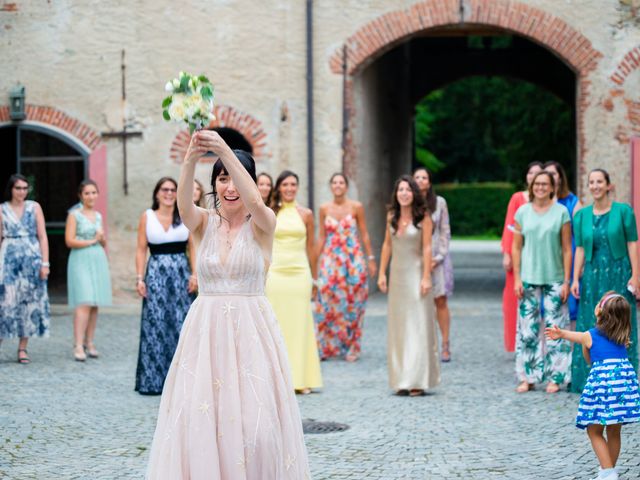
pixel 61 419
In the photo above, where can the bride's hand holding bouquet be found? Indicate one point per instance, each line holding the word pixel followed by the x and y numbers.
pixel 204 141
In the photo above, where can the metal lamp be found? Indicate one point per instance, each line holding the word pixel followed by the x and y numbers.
pixel 16 103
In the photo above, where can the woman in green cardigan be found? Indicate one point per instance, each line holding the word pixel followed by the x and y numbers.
pixel 606 238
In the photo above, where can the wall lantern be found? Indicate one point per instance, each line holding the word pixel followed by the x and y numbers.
pixel 16 102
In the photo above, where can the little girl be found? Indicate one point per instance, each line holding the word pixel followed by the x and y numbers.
pixel 610 397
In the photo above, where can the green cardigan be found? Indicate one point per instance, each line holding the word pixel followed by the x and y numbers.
pixel 622 229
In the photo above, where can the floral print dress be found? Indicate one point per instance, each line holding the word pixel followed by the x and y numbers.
pixel 24 301
pixel 342 290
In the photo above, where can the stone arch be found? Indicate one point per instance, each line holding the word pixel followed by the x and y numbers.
pixel 78 133
pixel 229 117
pixel 391 29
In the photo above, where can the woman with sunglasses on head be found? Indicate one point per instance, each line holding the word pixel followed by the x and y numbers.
pixel 166 287
pixel 541 253
pixel 24 267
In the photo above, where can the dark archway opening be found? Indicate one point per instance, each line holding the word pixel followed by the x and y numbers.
pixel 54 168
pixel 387 92
pixel 234 139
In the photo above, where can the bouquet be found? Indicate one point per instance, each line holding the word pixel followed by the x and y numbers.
pixel 190 101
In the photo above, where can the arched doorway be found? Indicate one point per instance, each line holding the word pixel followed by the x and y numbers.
pixel 54 166
pixel 397 58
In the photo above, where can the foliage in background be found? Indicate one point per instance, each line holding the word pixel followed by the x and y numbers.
pixel 482 129
pixel 477 209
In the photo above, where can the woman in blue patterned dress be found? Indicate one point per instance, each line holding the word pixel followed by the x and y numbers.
pixel 88 281
pixel 606 259
pixel 166 288
pixel 24 267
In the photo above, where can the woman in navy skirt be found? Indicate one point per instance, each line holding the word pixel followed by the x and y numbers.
pixel 166 288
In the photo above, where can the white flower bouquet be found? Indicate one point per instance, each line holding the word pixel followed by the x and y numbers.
pixel 190 101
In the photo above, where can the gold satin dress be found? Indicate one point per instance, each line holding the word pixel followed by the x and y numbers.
pixel 288 289
pixel 412 341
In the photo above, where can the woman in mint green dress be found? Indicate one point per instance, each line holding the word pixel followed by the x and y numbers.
pixel 88 281
pixel 606 238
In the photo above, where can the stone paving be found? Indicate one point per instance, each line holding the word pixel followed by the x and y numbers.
pixel 61 419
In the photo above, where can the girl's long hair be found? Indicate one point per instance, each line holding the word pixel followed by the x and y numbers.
pixel 431 199
pixel 276 198
pixel 155 205
pixel 418 207
pixel 613 318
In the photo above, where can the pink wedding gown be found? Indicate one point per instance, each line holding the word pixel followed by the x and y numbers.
pixel 228 408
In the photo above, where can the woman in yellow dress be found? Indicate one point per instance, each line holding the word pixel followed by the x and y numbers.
pixel 290 282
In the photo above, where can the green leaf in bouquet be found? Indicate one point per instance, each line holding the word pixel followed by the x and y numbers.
pixel 165 115
pixel 167 101
pixel 184 84
pixel 203 79
pixel 206 92
pixel 192 128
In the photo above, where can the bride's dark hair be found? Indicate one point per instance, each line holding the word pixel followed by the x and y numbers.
pixel 247 162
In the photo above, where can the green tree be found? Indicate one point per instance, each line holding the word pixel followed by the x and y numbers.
pixel 490 128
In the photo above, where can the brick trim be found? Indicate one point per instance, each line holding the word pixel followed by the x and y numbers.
pixel 393 28
pixel 629 63
pixel 227 116
pixel 80 131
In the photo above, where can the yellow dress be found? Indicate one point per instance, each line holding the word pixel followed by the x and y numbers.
pixel 288 289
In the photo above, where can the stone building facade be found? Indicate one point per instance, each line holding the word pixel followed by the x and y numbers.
pixel 370 61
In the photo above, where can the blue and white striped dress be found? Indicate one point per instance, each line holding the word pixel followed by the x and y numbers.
pixel 610 395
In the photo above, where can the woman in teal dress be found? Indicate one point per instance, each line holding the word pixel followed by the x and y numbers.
pixel 88 282
pixel 606 239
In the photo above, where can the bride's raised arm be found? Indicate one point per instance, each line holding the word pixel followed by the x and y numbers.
pixel 191 215
pixel 263 216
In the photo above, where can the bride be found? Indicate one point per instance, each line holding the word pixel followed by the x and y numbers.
pixel 228 409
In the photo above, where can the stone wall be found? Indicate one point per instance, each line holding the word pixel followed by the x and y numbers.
pixel 68 53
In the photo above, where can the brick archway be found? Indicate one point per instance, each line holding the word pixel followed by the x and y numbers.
pixel 227 116
pixel 79 133
pixel 619 93
pixel 389 30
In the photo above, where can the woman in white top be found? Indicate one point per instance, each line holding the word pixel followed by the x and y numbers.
pixel 166 288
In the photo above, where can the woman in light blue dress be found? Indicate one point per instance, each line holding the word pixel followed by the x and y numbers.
pixel 24 267
pixel 88 281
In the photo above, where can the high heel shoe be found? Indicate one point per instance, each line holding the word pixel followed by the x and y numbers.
pixel 90 348
pixel 78 353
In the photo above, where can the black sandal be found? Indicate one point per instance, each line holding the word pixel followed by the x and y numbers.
pixel 25 360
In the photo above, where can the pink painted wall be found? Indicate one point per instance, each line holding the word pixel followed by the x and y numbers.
pixel 98 173
pixel 635 179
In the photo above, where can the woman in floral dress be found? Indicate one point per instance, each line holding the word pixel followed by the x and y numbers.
pixel 607 256
pixel 342 273
pixel 24 267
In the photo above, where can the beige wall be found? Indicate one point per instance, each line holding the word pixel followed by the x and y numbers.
pixel 67 54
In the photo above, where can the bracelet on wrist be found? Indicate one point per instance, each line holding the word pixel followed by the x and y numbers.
pixel 371 257
pixel 46 264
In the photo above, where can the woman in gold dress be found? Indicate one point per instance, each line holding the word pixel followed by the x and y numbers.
pixel 412 348
pixel 290 282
